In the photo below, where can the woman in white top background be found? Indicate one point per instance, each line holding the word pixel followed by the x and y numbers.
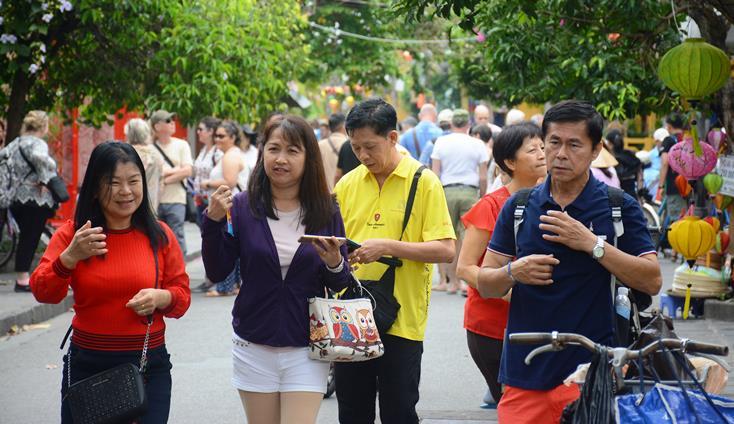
pixel 249 146
pixel 232 171
pixel 205 161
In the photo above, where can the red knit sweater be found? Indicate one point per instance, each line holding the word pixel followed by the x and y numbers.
pixel 104 284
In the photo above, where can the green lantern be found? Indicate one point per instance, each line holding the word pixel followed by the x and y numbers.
pixel 694 69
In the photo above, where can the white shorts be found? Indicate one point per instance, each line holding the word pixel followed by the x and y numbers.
pixel 267 369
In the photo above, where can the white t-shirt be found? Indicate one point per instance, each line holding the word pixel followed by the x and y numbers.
pixel 286 231
pixel 460 156
pixel 179 152
pixel 250 157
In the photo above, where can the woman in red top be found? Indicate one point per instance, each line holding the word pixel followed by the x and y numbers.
pixel 124 266
pixel 518 151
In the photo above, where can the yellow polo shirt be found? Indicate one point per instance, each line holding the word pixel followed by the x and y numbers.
pixel 371 213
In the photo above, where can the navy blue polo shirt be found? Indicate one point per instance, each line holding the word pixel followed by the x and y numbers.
pixel 579 300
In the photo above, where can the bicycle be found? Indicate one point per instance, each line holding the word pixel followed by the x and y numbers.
pixel 621 356
pixel 10 232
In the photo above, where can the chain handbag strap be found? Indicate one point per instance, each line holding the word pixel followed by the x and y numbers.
pixel 143 355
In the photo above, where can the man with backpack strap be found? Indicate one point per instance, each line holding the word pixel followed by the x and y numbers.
pixel 559 265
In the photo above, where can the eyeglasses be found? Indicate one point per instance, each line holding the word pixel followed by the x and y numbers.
pixel 168 121
pixel 199 129
pixel 220 135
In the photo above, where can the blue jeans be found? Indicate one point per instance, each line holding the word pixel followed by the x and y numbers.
pixel 86 362
pixel 232 280
pixel 174 214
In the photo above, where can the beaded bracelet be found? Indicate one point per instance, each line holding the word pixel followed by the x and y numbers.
pixel 509 272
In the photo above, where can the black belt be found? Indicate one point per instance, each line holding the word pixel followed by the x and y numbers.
pixel 461 185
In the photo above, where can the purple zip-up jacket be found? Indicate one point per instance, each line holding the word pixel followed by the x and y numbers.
pixel 269 310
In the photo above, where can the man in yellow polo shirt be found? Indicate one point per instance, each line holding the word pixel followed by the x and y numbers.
pixel 372 199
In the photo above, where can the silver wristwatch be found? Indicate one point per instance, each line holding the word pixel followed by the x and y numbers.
pixel 598 251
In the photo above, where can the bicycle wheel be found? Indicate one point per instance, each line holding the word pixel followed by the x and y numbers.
pixel 8 241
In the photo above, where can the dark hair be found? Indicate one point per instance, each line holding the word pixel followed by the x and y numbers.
pixel 102 164
pixel 210 122
pixel 233 130
pixel 376 114
pixel 336 121
pixel 316 202
pixel 616 139
pixel 575 111
pixel 676 120
pixel 483 131
pixel 510 140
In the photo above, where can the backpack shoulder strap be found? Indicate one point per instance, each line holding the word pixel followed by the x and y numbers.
pixel 411 198
pixel 521 201
pixel 616 201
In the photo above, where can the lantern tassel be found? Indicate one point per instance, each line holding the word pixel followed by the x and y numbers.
pixel 696 144
pixel 687 302
pixel 708 259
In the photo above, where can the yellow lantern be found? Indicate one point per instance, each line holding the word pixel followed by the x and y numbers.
pixel 692 237
pixel 694 69
pixel 350 101
pixel 334 105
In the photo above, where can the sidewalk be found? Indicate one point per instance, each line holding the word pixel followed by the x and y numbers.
pixel 18 309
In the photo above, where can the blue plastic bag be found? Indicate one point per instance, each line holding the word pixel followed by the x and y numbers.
pixel 667 404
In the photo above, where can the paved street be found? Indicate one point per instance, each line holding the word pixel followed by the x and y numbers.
pixel 451 387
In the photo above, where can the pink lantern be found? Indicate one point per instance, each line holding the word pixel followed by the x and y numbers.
pixel 684 160
pixel 715 137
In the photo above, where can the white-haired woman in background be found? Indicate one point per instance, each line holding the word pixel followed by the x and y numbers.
pixel 138 134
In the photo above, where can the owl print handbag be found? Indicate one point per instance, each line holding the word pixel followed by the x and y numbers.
pixel 343 330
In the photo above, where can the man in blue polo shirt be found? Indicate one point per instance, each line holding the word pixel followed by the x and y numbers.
pixel 559 272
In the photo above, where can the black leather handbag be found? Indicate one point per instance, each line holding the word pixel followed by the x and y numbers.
pixel 384 304
pixel 116 395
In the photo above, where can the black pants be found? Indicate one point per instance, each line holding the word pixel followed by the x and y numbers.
pixel 31 219
pixel 486 353
pixel 396 375
pixel 85 363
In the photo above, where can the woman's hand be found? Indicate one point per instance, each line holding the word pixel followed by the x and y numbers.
pixel 219 203
pixel 87 242
pixel 146 301
pixel 328 250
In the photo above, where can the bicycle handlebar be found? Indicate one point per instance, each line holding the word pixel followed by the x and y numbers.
pixel 556 341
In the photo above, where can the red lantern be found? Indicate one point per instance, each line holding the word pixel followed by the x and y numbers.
pixel 683 187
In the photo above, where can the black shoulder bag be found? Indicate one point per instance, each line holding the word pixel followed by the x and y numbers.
pixel 384 303
pixel 115 395
pixel 191 211
pixel 56 185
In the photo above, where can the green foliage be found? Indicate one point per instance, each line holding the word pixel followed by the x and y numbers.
pixel 228 58
pixel 549 50
pixel 361 62
pixel 221 57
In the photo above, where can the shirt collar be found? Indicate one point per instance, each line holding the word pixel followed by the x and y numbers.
pixel 581 201
pixel 402 170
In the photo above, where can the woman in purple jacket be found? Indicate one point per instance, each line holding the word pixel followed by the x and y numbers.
pixel 287 197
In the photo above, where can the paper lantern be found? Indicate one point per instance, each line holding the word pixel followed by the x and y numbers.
pixel 691 237
pixel 694 68
pixel 722 201
pixel 713 183
pixel 334 105
pixel 684 189
pixel 350 101
pixel 684 160
pixel 722 242
pixel 715 137
pixel 714 222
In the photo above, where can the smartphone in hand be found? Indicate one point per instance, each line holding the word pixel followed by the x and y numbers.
pixel 308 238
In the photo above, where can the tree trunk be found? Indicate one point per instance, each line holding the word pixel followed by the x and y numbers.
pixel 18 102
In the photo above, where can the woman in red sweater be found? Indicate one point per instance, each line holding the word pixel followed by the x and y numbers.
pixel 518 151
pixel 124 266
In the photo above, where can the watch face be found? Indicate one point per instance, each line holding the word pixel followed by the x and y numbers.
pixel 598 252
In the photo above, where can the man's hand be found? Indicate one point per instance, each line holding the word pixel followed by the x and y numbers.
pixel 370 251
pixel 534 269
pixel 568 231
